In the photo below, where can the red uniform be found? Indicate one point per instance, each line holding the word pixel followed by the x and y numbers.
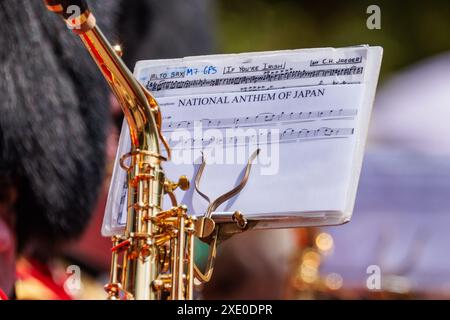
pixel 36 281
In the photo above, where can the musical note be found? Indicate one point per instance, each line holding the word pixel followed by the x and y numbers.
pixel 183 124
pixel 288 134
pixel 207 123
pixel 287 116
pixel 265 117
pixel 245 121
pixel 305 133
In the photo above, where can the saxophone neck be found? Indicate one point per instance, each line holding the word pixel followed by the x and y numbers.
pixel 136 104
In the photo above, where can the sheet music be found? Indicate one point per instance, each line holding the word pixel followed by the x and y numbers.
pixel 306 110
pixel 252 71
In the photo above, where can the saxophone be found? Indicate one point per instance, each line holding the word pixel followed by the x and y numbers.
pixel 157 247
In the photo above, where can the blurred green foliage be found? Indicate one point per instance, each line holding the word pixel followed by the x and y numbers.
pixel 410 31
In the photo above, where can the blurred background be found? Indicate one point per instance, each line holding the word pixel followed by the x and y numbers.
pixel 409 32
pixel 395 247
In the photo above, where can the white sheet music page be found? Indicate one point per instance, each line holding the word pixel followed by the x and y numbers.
pixel 307 111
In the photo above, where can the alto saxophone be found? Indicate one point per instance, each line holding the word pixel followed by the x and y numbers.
pixel 157 248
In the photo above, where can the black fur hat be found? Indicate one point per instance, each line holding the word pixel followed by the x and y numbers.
pixel 53 120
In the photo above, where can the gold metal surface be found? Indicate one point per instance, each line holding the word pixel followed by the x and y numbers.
pixel 240 220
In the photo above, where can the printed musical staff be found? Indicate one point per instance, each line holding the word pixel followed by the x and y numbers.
pixel 252 137
pixel 258 79
pixel 262 119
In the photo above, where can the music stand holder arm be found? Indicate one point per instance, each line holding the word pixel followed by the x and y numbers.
pixel 212 232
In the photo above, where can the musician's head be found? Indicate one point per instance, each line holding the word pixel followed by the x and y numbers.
pixel 53 117
pixel 8 198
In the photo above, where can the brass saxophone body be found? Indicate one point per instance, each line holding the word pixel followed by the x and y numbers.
pixel 154 258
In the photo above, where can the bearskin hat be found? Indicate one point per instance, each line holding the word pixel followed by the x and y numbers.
pixel 53 119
